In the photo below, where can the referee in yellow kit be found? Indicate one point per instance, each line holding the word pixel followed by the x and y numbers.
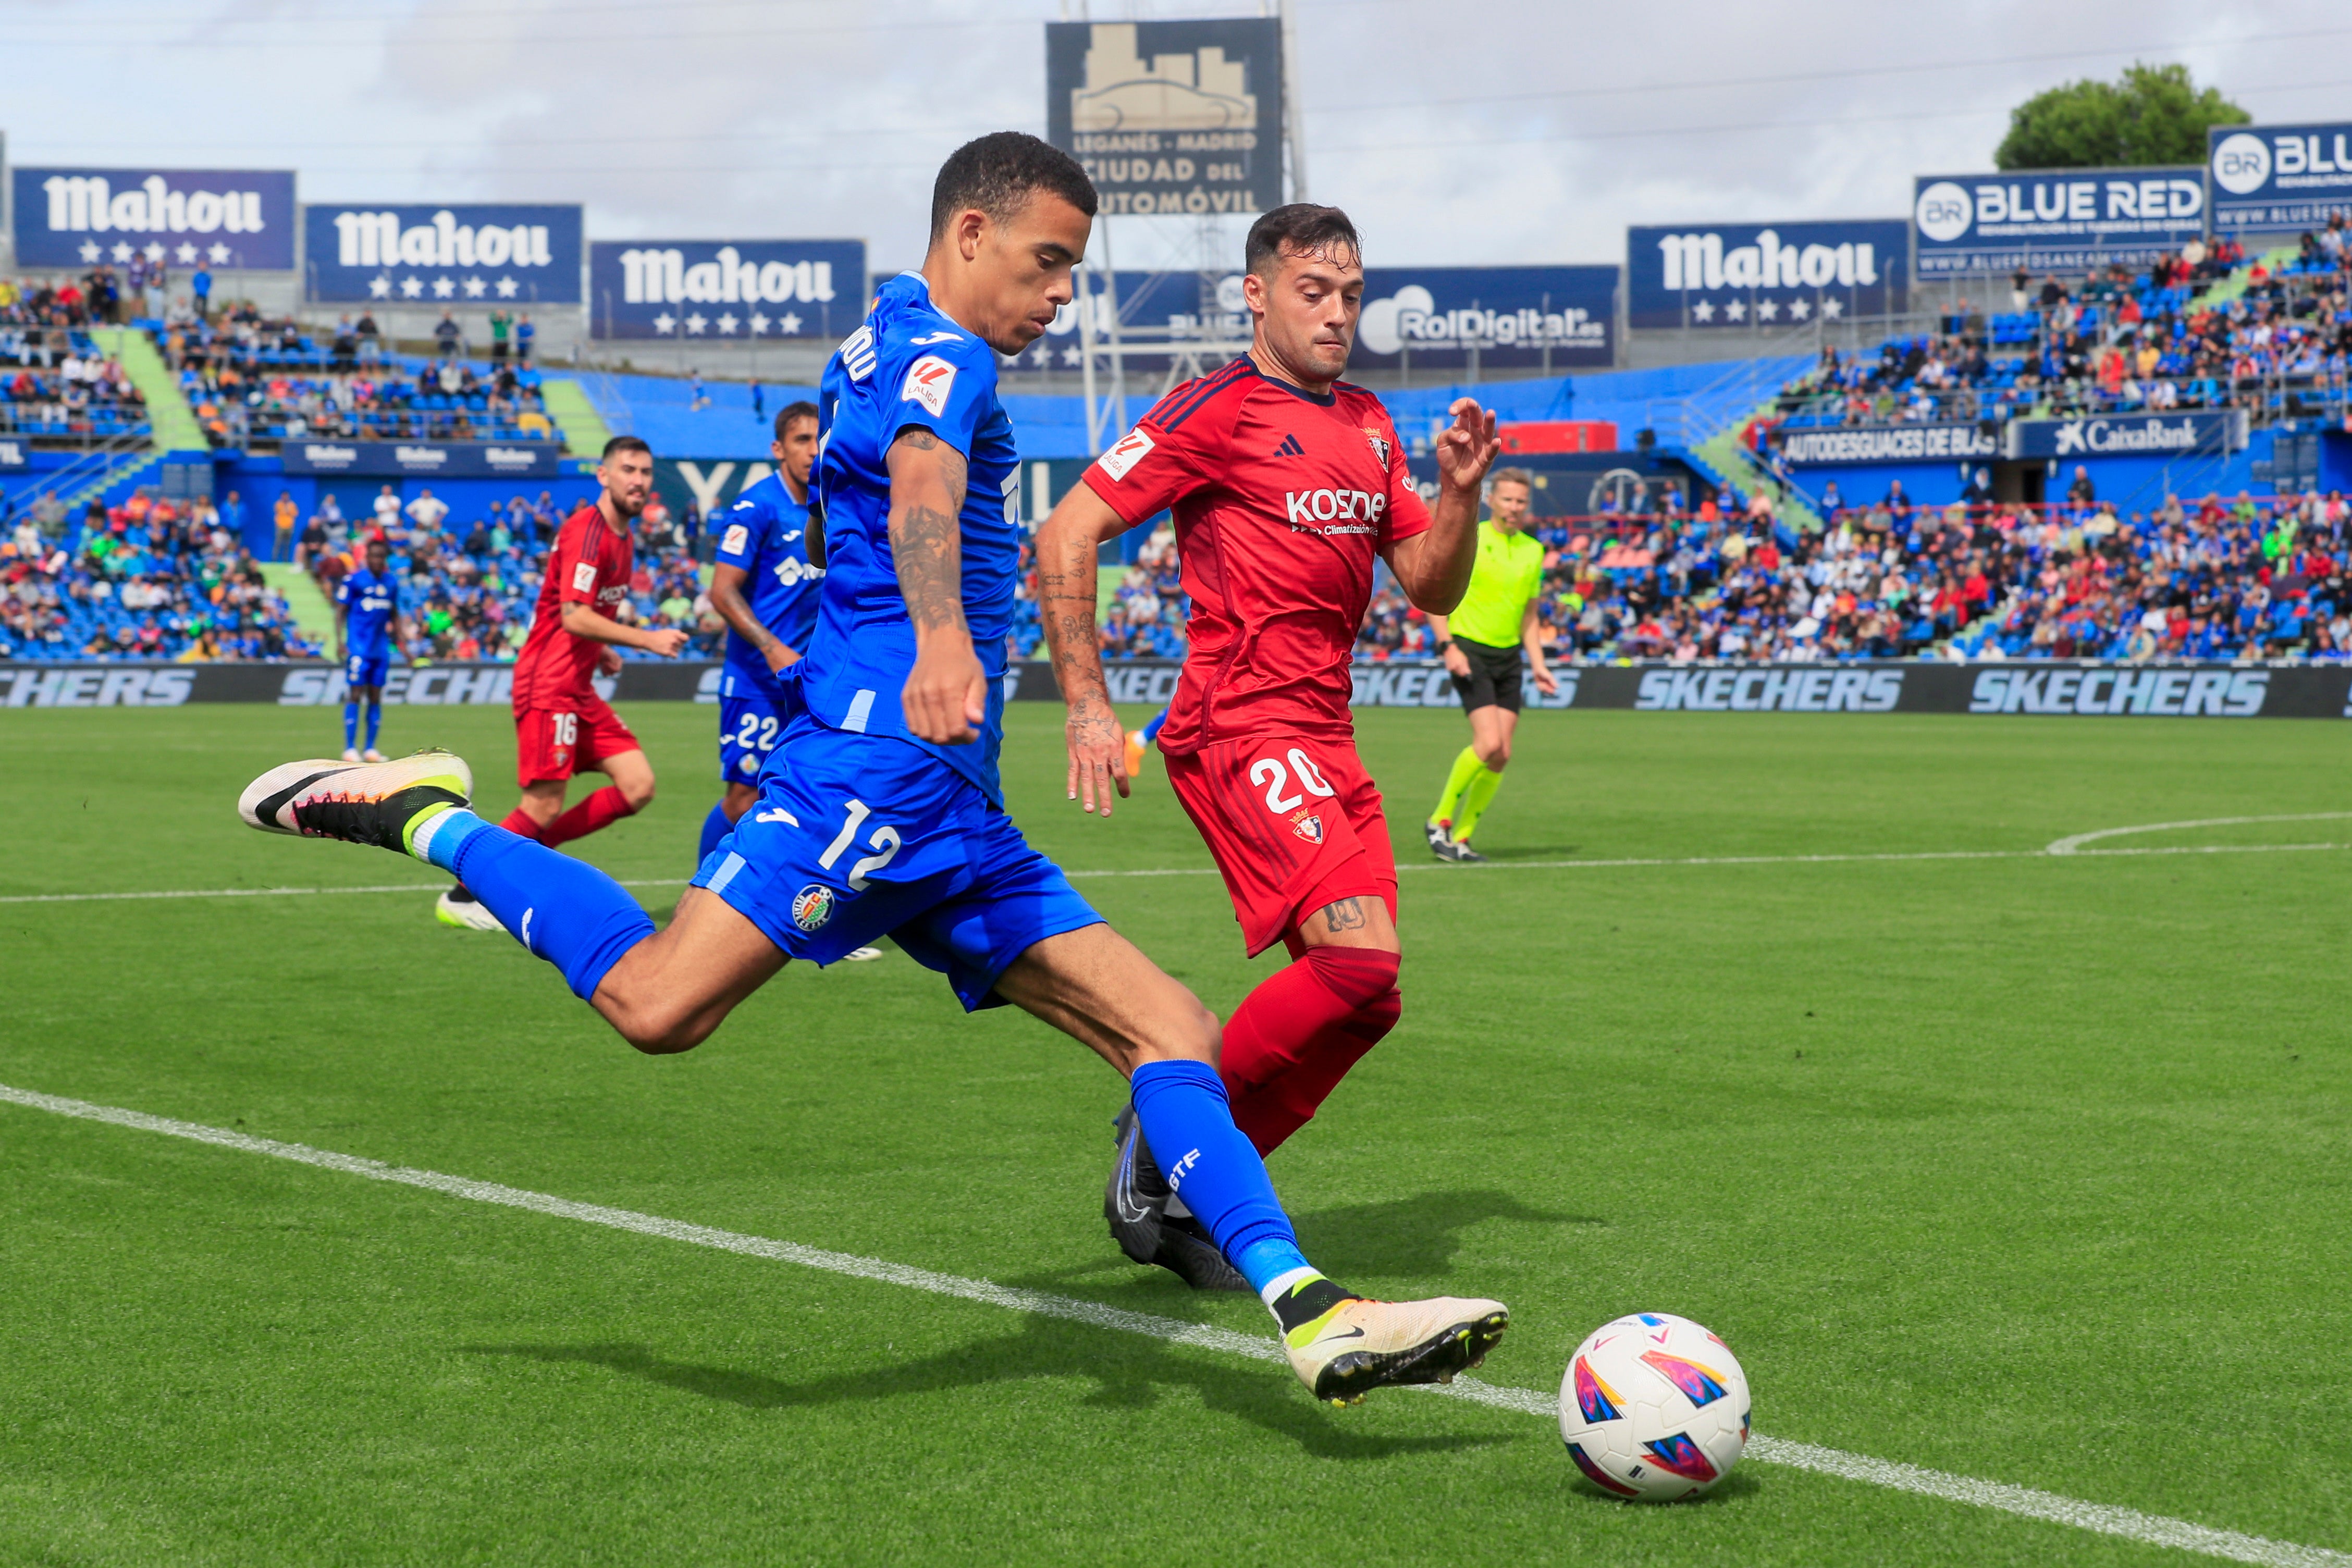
pixel 1485 642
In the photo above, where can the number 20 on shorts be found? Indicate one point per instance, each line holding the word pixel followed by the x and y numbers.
pixel 1270 772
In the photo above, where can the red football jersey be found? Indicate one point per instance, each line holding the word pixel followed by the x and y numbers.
pixel 1283 499
pixel 589 565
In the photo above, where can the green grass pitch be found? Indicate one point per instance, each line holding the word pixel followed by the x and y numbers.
pixel 2030 1169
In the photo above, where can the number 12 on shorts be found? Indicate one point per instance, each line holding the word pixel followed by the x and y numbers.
pixel 884 839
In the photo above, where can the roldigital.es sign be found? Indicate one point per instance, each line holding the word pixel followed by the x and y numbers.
pixel 1763 275
pixel 1169 116
pixel 2068 218
pixel 1513 315
pixel 435 459
pixel 726 289
pixel 1952 442
pixel 2205 433
pixel 231 218
pixel 429 256
pixel 2269 177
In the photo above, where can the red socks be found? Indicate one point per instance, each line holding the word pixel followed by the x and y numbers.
pixel 519 821
pixel 601 809
pixel 1295 1035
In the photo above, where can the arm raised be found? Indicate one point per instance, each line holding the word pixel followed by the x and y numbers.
pixel 1433 567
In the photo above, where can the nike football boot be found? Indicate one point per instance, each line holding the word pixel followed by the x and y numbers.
pixel 1357 1345
pixel 374 803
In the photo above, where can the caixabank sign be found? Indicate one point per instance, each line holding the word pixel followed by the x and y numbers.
pixel 2038 689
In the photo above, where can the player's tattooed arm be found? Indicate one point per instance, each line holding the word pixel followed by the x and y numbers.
pixel 945 695
pixel 1067 546
pixel 1345 914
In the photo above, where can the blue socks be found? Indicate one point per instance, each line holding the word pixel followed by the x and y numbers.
pixel 351 725
pixel 562 910
pixel 1151 730
pixel 374 723
pixel 715 827
pixel 1189 1127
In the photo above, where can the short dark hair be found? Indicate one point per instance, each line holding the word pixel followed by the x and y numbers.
pixel 1514 477
pixel 624 444
pixel 1000 172
pixel 1304 229
pixel 803 409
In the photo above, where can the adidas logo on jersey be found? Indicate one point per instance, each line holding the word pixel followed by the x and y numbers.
pixel 1290 448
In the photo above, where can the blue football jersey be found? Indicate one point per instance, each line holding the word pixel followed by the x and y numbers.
pixel 369 604
pixel 766 534
pixel 910 366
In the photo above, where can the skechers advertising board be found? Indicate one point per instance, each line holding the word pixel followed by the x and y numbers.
pixel 232 219
pixel 2277 177
pixel 726 291
pixel 1768 275
pixel 1513 315
pixel 2060 220
pixel 2036 689
pixel 511 256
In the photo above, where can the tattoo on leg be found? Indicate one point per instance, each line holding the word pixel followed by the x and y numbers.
pixel 1347 915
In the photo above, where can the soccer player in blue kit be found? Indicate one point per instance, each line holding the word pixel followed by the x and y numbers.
pixel 883 812
pixel 764 588
pixel 367 607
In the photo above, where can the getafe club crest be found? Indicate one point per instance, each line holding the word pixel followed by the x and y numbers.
pixel 1380 444
pixel 812 906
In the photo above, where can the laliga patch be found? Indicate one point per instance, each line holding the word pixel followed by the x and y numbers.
pixel 1309 828
pixel 928 381
pixel 812 906
pixel 584 577
pixel 738 536
pixel 1125 454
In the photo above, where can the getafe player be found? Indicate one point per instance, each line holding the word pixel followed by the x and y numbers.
pixel 367 610
pixel 1288 485
pixel 764 588
pixel 883 812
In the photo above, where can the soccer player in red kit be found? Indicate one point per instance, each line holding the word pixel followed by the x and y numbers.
pixel 561 726
pixel 1286 483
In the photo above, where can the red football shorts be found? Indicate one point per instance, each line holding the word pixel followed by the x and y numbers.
pixel 1292 823
pixel 556 744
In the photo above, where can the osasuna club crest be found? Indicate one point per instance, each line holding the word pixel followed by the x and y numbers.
pixel 1308 826
pixel 1380 445
pixel 812 906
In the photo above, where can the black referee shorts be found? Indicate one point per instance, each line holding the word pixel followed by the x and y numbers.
pixel 1495 675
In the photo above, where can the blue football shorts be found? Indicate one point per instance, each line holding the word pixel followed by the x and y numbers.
pixel 361 671
pixel 855 837
pixel 753 713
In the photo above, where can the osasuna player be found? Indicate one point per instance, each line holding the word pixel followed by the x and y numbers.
pixel 764 587
pixel 561 726
pixel 1287 484
pixel 883 811
pixel 367 615
pixel 1490 641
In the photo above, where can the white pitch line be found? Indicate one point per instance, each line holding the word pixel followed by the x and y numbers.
pixel 2073 845
pixel 2154 1530
pixel 2050 853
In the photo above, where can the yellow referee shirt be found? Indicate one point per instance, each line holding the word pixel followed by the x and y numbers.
pixel 1508 572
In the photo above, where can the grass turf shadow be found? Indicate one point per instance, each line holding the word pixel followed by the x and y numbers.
pixel 1129 1373
pixel 1411 1238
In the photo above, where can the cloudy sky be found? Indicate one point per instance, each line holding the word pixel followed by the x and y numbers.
pixel 1456 130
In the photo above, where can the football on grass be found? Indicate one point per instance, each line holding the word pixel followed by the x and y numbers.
pixel 1653 1407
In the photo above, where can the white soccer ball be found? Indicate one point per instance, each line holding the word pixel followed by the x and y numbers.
pixel 1653 1407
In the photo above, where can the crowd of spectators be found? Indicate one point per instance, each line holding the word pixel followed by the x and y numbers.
pixel 150 578
pixel 55 382
pixel 471 584
pixel 255 382
pixel 2205 329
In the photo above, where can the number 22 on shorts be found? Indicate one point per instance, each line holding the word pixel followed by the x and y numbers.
pixel 1270 772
